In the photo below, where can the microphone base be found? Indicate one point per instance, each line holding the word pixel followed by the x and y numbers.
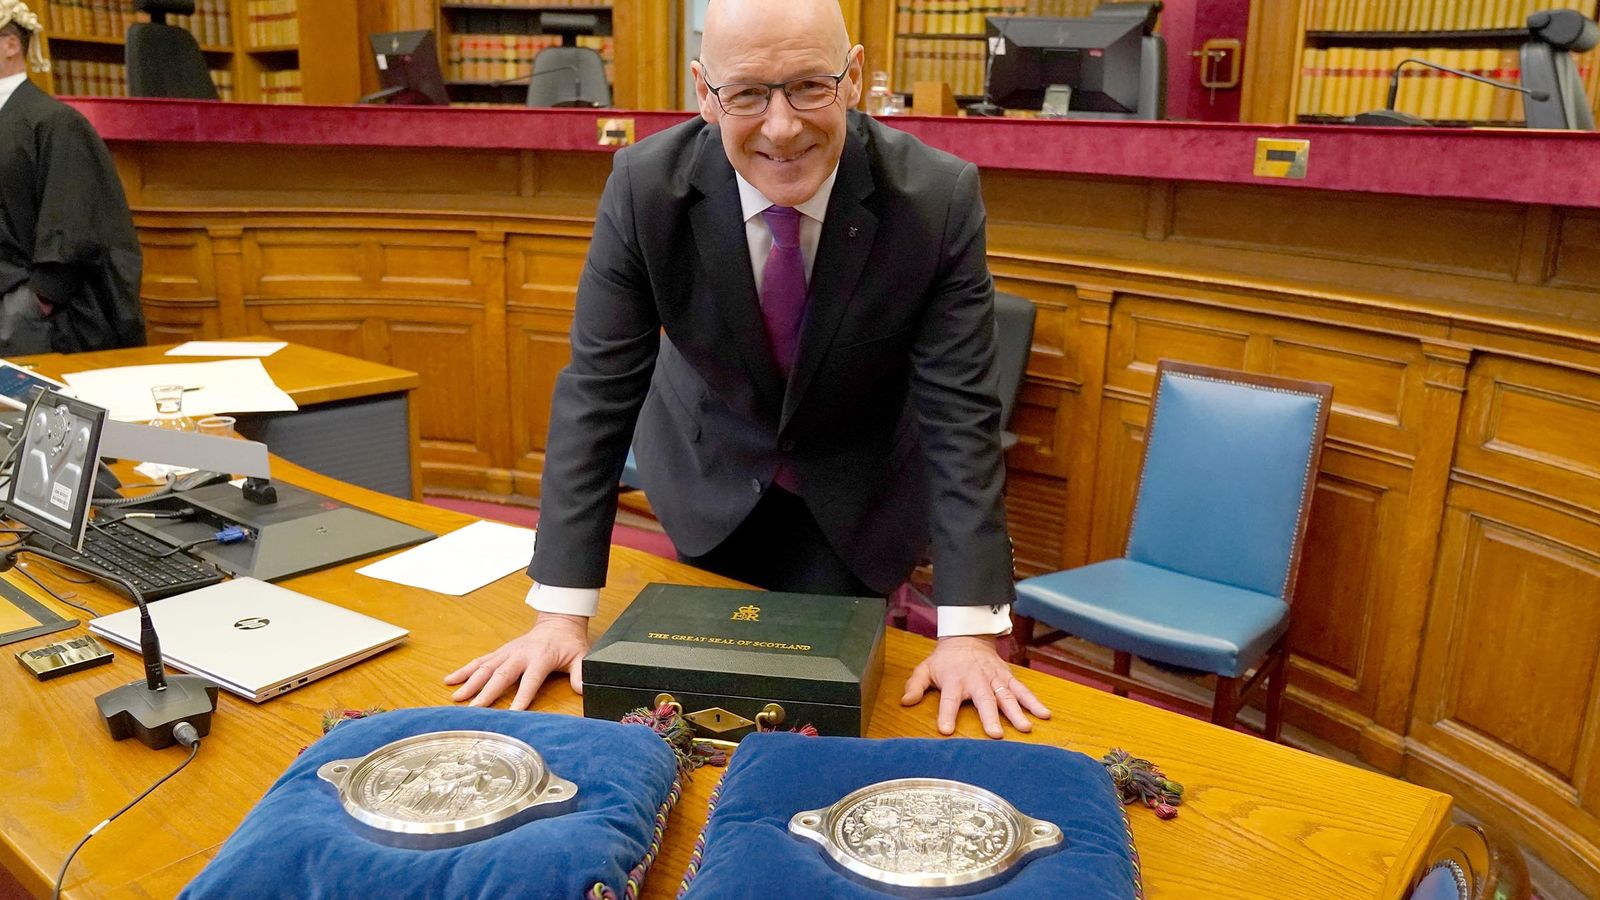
pixel 134 710
pixel 986 109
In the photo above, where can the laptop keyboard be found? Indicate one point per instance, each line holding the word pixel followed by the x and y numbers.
pixel 123 550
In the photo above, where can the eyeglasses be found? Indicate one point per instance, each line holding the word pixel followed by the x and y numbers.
pixel 752 98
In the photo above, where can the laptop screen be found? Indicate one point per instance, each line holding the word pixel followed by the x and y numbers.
pixel 52 479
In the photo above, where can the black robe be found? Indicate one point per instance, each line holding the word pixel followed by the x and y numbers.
pixel 65 227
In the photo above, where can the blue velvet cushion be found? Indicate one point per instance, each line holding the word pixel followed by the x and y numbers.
pixel 1153 612
pixel 298 842
pixel 1441 883
pixel 748 852
pixel 1223 480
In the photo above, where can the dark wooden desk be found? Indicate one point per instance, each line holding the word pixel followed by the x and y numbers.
pixel 1260 820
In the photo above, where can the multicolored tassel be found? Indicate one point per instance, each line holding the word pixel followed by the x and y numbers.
pixel 1138 780
pixel 675 730
pixel 332 717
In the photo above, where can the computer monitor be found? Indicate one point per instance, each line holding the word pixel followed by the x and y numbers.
pixel 408 69
pixel 52 480
pixel 1110 63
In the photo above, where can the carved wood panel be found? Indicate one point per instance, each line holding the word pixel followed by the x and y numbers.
pixel 348 264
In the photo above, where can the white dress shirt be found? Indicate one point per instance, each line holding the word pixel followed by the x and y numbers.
pixel 9 85
pixel 953 620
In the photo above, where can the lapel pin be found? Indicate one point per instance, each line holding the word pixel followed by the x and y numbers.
pixel 853 231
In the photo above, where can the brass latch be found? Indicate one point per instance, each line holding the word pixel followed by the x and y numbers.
pixel 718 721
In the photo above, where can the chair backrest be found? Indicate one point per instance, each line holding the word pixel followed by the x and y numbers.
pixel 1230 460
pixel 1470 862
pixel 165 61
pixel 1013 341
pixel 1547 65
pixel 577 77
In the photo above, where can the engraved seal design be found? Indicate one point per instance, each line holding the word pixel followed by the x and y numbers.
pixel 926 834
pixel 445 788
pixel 446 780
pixel 925 830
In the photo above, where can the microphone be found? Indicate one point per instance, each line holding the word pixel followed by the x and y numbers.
pixel 988 107
pixel 1391 116
pixel 151 709
pixel 577 83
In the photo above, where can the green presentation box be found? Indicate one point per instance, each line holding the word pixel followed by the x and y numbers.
pixel 735 659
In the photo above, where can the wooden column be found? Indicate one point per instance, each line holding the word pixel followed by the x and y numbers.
pixel 1094 332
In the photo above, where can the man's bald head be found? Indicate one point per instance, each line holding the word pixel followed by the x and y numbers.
pixel 772 22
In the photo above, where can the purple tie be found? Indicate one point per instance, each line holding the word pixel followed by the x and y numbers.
pixel 783 304
pixel 783 285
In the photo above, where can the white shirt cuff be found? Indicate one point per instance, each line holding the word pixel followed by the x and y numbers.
pixel 957 620
pixel 564 600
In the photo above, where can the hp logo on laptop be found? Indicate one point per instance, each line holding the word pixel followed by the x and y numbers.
pixel 252 623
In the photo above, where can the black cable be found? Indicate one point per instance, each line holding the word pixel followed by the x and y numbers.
pixel 192 740
pixel 48 590
pixel 190 545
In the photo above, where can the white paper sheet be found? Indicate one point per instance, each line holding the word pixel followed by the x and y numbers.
pixel 227 386
pixel 459 562
pixel 227 348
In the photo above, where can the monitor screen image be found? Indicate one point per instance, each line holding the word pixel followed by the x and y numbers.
pixel 408 68
pixel 1099 58
pixel 52 481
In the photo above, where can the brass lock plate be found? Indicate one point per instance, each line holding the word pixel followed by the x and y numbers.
pixel 717 720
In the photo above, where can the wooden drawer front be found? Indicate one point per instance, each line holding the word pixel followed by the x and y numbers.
pixel 542 271
pixel 1535 428
pixel 537 352
pixel 1377 379
pixel 1507 687
pixel 344 264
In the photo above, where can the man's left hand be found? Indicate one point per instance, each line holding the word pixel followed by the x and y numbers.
pixel 967 667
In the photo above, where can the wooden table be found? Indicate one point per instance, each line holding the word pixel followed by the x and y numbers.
pixel 334 392
pixel 1259 819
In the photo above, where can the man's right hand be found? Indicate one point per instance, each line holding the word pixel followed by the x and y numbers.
pixel 556 643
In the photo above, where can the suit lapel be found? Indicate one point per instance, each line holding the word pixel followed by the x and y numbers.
pixel 719 235
pixel 842 252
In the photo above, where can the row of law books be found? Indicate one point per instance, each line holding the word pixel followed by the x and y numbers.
pixel 493 57
pixel 285 86
pixel 83 78
pixel 273 23
pixel 1344 81
pixel 967 17
pixel 958 63
pixel 1431 15
pixel 110 18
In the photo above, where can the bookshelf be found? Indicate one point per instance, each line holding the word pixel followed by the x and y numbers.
pixel 482 42
pixel 943 40
pixel 1349 48
pixel 269 51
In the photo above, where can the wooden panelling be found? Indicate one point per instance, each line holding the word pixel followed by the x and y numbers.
pixel 177 265
pixel 542 272
pixel 1036 512
pixel 1330 615
pixel 1022 202
pixel 1351 227
pixel 1577 252
pixel 1535 427
pixel 302 263
pixel 538 351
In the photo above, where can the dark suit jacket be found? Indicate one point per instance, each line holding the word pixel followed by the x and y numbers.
pixel 890 419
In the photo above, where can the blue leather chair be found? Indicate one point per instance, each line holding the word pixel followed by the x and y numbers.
pixel 1207 578
pixel 1470 862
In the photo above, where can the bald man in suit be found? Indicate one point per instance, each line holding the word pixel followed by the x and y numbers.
pixel 823 400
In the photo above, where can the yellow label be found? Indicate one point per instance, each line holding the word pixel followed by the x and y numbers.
pixel 747 614
pixel 1281 159
pixel 743 643
pixel 613 132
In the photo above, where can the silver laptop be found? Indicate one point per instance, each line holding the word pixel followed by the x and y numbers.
pixel 255 639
